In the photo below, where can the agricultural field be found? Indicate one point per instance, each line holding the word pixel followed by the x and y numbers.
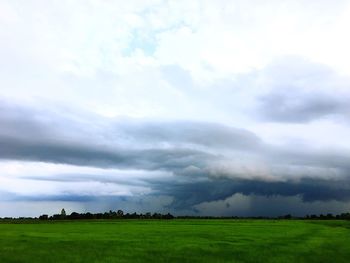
pixel 175 241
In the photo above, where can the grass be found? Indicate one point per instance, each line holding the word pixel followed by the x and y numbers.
pixel 176 241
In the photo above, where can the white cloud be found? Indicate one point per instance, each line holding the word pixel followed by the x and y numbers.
pixel 37 180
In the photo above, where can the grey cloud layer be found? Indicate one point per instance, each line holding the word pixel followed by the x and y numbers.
pixel 186 132
pixel 294 107
pixel 122 144
pixel 210 161
pixel 188 195
pixel 81 154
pixel 289 89
pixel 301 91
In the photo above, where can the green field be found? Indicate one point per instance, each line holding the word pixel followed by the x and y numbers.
pixel 176 241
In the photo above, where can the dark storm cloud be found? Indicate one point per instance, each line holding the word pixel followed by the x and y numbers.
pixel 183 147
pixel 209 161
pixel 82 154
pixel 26 135
pixel 311 158
pixel 300 91
pixel 310 190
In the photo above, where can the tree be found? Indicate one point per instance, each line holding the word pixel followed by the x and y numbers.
pixel 63 213
pixel 75 215
pixel 289 216
pixel 120 213
pixel 148 215
pixel 43 217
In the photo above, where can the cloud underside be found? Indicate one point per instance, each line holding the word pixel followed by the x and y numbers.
pixel 197 163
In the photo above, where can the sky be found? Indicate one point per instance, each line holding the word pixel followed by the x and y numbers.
pixel 220 108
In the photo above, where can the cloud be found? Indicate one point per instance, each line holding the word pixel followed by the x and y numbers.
pixel 308 190
pixel 300 91
pixel 253 205
pixel 190 132
pixel 295 107
pixel 179 92
pixel 123 144
pixel 214 149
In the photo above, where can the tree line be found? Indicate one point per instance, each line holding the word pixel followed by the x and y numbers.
pixel 329 216
pixel 119 214
pixel 106 215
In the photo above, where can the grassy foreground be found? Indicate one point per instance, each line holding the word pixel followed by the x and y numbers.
pixel 176 241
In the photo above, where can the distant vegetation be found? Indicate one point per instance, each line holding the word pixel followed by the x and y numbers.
pixel 107 215
pixel 119 214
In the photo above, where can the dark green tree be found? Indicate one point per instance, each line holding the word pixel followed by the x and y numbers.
pixel 120 213
pixel 63 213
